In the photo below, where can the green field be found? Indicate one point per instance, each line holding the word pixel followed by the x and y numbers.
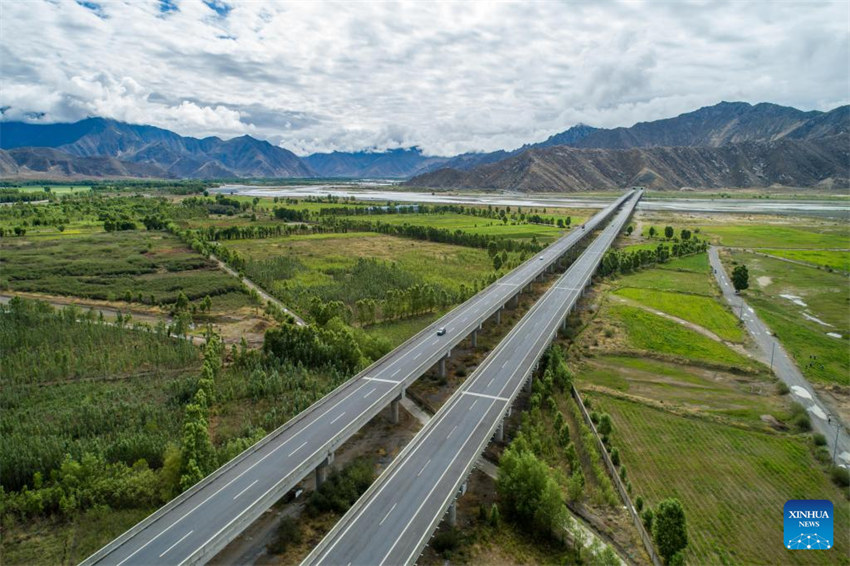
pixel 397 331
pixel 106 266
pixel 689 388
pixel 827 298
pixel 648 332
pixel 475 225
pixel 55 189
pixel 826 258
pixel 669 279
pixel 701 310
pixel 775 236
pixel 731 482
pixel 322 265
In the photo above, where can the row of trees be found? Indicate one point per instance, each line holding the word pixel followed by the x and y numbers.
pixel 627 261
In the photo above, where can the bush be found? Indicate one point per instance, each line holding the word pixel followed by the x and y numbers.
pixel 615 457
pixel 782 388
pixel 446 541
pixel 840 476
pixel 819 439
pixel 639 503
pixel 342 488
pixel 288 532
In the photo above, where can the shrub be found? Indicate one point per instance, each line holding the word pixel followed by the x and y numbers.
pixel 615 457
pixel 446 541
pixel 819 439
pixel 288 532
pixel 840 476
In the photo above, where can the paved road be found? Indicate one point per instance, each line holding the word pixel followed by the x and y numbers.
pixel 394 519
pixel 251 285
pixel 196 525
pixel 784 367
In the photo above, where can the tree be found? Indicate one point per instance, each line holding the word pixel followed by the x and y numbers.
pixel 652 231
pixel 669 529
pixel 629 230
pixel 740 278
pixel 686 234
pixel 497 262
pixel 668 232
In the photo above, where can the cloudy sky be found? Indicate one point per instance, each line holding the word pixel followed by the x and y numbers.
pixel 446 77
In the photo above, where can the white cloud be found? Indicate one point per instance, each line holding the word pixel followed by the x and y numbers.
pixel 446 77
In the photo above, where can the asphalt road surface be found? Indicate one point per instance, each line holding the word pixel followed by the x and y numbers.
pixel 394 519
pixel 784 367
pixel 197 524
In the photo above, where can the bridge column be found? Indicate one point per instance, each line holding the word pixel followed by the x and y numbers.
pixel 528 383
pixel 443 364
pixel 394 408
pixel 515 301
pixel 322 470
pixel 500 432
pixel 474 338
pixel 453 514
pixel 499 315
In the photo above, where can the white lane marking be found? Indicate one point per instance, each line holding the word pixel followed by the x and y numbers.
pixel 473 404
pixel 495 397
pixel 370 392
pixel 246 489
pixel 251 467
pixel 303 444
pixel 505 363
pixel 423 467
pixel 382 380
pixel 417 356
pixel 387 515
pixel 451 432
pixel 395 372
pixel 339 417
pixel 176 543
pixel 573 269
pixel 490 382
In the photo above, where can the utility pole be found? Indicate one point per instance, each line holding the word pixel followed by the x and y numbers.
pixel 772 349
pixel 837 425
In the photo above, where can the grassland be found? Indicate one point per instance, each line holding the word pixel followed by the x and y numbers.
pixel 476 225
pixel 691 389
pixel 832 259
pixel 648 332
pixel 732 483
pixel 827 299
pixel 704 311
pixel 775 236
pixel 326 266
pixel 670 280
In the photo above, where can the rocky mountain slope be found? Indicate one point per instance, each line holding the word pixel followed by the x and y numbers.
pixel 174 155
pixel 823 162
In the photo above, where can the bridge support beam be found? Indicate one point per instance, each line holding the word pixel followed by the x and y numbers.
pixel 474 338
pixel 322 470
pixel 499 315
pixel 453 514
pixel 500 432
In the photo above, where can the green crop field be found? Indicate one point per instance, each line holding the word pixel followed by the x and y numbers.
pixel 106 266
pixel 651 333
pixel 475 225
pixel 704 311
pixel 732 483
pixel 698 263
pixel 839 260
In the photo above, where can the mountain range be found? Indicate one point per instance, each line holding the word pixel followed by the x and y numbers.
pixel 731 144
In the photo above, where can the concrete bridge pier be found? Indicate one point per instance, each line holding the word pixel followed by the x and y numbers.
pixel 500 432
pixel 394 404
pixel 443 363
pixel 499 315
pixel 322 470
